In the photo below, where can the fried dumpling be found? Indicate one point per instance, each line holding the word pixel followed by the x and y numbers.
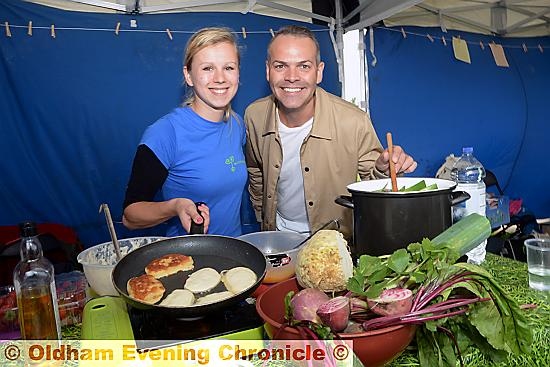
pixel 238 279
pixel 213 297
pixel 202 280
pixel 179 298
pixel 169 264
pixel 145 288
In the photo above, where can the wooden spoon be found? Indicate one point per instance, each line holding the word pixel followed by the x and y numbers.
pixel 392 165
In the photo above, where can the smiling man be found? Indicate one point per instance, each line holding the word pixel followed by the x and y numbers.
pixel 305 145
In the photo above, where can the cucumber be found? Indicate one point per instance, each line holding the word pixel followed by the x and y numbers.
pixel 420 185
pixel 431 187
pixel 466 234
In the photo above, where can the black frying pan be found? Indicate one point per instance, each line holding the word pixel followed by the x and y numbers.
pixel 218 252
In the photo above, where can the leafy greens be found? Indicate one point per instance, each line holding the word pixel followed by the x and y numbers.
pixel 456 304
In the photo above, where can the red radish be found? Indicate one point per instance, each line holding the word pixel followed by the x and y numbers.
pixel 335 313
pixel 305 303
pixel 394 301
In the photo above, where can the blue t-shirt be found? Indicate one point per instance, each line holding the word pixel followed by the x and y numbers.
pixel 205 162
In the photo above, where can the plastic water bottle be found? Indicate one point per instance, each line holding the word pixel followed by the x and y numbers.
pixel 469 173
pixel 33 278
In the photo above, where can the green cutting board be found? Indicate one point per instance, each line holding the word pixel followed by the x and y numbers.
pixel 106 318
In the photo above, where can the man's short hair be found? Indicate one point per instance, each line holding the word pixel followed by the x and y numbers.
pixel 296 31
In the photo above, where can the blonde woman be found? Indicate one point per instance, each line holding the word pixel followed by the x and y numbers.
pixel 195 153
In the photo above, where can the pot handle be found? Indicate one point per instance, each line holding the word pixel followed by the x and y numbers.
pixel 344 201
pixel 195 227
pixel 458 197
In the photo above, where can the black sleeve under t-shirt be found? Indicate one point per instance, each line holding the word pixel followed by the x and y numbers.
pixel 147 177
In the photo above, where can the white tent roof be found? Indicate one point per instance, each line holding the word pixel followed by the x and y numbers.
pixel 165 6
pixel 507 18
pixel 510 18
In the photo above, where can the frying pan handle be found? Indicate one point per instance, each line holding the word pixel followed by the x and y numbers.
pixel 195 227
pixel 344 201
pixel 458 197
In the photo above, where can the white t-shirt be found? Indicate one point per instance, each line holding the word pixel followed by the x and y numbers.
pixel 291 203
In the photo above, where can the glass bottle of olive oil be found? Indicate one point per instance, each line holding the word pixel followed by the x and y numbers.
pixel 34 282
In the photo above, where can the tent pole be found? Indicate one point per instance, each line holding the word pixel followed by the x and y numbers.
pixel 136 9
pixel 365 90
pixel 340 46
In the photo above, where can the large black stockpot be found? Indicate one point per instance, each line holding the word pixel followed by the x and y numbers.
pixel 386 221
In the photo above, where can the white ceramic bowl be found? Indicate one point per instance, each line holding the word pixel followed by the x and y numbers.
pixel 99 261
pixel 277 247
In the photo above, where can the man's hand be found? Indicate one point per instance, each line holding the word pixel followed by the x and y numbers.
pixel 187 211
pixel 404 163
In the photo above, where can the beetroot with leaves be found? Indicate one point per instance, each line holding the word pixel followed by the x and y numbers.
pixel 394 301
pixel 305 304
pixel 335 313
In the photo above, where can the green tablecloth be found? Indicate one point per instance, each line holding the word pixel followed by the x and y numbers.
pixel 512 275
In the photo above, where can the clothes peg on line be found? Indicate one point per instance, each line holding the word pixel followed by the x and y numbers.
pixel 430 38
pixel 481 45
pixel 271 31
pixel 169 34
pixel 117 28
pixel 444 40
pixel 524 48
pixel 403 33
pixel 29 31
pixel 8 32
pixel 52 31
pixel 244 32
pixel 371 48
pixel 541 49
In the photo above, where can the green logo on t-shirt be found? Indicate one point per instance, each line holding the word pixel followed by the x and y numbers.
pixel 231 161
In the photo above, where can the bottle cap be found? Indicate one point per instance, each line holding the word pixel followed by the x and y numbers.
pixel 27 229
pixel 467 150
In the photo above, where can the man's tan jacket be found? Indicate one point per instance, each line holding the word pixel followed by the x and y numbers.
pixel 341 145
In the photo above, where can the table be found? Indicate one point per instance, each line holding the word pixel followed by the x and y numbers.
pixel 512 275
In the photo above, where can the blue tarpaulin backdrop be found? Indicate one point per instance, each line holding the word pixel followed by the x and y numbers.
pixel 434 105
pixel 73 107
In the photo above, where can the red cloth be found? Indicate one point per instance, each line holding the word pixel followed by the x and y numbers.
pixel 66 234
pixel 60 245
pixel 515 206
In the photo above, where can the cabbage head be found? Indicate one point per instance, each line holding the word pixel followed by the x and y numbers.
pixel 324 263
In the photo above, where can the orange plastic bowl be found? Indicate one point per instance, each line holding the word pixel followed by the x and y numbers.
pixel 373 348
